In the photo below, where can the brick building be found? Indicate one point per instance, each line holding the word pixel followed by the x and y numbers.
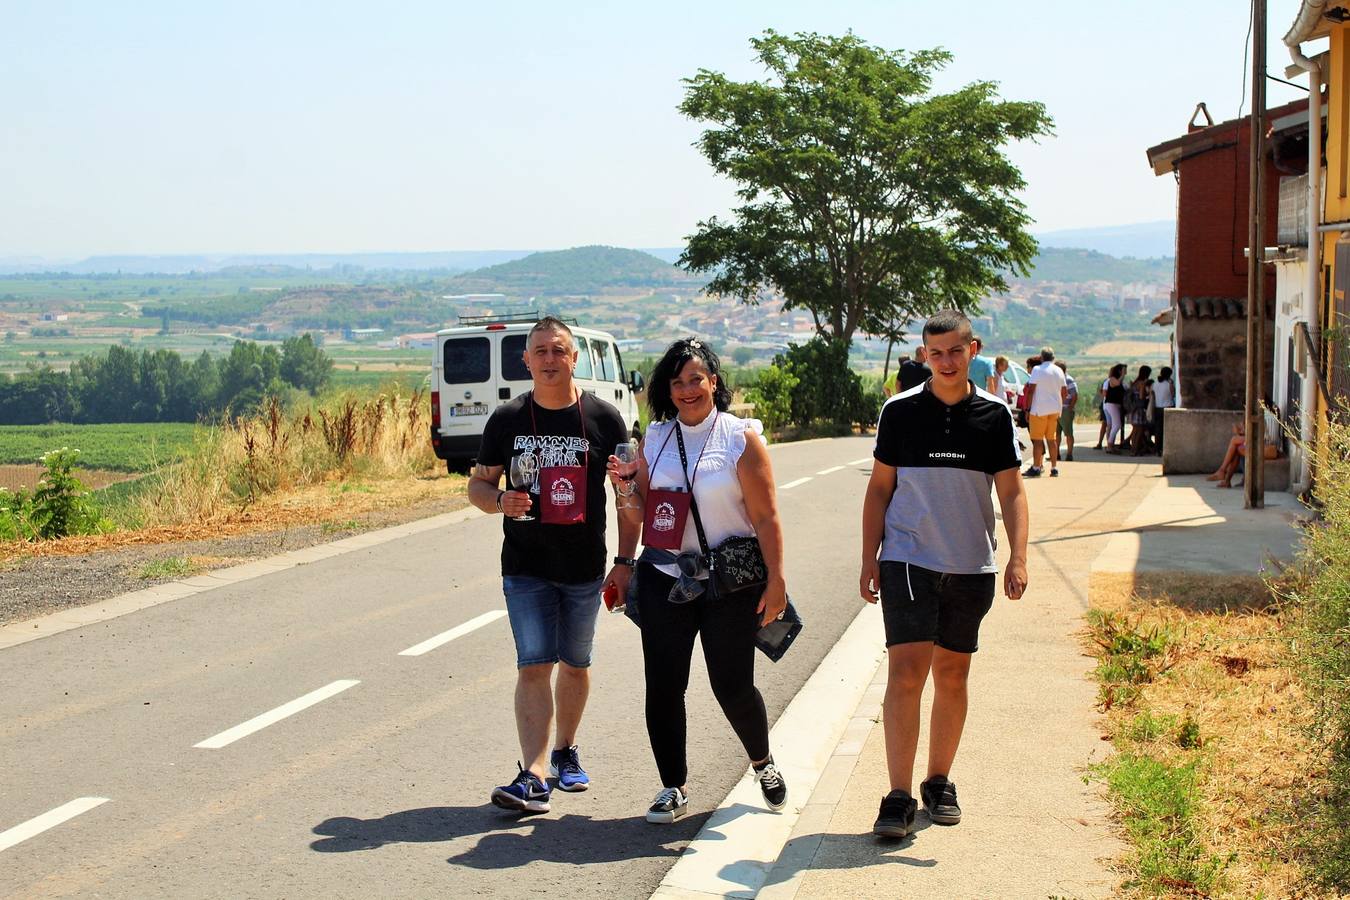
pixel 1209 292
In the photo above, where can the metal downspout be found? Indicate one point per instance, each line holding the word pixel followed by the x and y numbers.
pixel 1312 288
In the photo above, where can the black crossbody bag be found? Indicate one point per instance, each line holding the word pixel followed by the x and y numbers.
pixel 737 564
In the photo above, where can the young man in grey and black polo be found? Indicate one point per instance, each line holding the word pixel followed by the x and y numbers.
pixel 928 555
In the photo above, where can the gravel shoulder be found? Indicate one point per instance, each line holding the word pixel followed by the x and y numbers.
pixel 36 586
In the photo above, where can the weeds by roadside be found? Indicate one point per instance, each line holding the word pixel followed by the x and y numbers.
pixel 169 567
pixel 1204 715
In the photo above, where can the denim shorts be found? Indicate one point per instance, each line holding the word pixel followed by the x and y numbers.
pixel 552 621
pixel 919 604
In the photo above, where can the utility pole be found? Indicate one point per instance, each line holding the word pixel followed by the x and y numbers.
pixel 1254 484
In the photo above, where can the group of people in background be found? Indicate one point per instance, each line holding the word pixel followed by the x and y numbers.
pixel 1139 404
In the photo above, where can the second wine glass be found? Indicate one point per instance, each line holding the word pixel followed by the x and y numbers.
pixel 523 470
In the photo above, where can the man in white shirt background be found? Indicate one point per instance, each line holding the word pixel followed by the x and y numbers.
pixel 1048 389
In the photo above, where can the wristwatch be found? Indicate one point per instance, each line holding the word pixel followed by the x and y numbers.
pixel 625 561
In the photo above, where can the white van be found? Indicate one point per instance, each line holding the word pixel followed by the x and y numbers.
pixel 479 365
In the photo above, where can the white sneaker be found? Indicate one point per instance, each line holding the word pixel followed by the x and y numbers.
pixel 670 804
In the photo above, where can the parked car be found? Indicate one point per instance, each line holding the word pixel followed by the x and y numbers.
pixel 1014 381
pixel 480 364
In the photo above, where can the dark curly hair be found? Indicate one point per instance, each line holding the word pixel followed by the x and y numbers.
pixel 677 354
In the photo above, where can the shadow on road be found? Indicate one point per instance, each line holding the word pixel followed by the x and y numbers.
pixel 510 840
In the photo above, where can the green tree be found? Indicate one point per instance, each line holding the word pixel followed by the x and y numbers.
pixel 742 356
pixel 304 365
pixel 866 198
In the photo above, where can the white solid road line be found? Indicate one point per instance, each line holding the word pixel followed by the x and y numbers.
pixel 859 462
pixel 257 723
pixel 47 820
pixel 446 637
pixel 831 470
pixel 792 484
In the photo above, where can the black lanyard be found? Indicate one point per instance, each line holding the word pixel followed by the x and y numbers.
pixel 534 430
pixel 684 465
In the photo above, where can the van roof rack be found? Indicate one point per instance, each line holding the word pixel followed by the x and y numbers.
pixel 515 318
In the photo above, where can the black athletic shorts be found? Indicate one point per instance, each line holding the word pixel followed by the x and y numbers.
pixel 918 604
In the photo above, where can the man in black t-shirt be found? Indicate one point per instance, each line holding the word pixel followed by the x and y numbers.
pixel 914 372
pixel 553 553
pixel 928 545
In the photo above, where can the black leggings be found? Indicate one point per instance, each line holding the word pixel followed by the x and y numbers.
pixel 728 627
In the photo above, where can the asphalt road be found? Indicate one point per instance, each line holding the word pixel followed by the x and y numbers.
pixel 380 786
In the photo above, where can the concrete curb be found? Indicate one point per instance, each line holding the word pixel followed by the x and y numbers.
pixel 740 845
pixel 54 623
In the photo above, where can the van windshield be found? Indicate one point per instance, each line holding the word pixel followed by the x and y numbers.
pixel 467 360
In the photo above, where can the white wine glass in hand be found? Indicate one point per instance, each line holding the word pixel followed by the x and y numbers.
pixel 627 455
pixel 523 470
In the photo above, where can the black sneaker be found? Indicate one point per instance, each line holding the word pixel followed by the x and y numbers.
pixel 1032 472
pixel 1054 473
pixel 772 785
pixel 670 804
pixel 939 798
pixel 896 819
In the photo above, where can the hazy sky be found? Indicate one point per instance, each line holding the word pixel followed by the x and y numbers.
pixel 158 127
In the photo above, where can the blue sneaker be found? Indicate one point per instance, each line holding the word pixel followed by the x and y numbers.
pixel 565 766
pixel 527 793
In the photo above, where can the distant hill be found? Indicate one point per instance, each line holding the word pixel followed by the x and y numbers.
pixel 1076 264
pixel 579 270
pixel 1143 240
pixel 182 264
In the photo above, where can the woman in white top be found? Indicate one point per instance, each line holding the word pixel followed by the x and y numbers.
pixel 726 463
pixel 1164 397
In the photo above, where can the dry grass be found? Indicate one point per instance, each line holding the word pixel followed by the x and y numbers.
pixel 1227 673
pixel 352 455
pixel 238 464
pixel 315 505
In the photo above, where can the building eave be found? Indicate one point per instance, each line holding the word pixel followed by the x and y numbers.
pixel 1309 24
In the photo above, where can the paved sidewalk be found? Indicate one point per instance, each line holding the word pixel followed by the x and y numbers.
pixel 1032 827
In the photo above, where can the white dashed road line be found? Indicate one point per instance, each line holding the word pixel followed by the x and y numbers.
pixel 257 723
pixel 792 484
pixel 831 470
pixel 48 820
pixel 859 462
pixel 446 637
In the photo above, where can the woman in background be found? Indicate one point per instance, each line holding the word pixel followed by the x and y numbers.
pixel 1141 412
pixel 1164 398
pixel 1113 404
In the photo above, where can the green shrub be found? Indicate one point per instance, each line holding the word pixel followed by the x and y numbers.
pixel 827 390
pixel 59 506
pixel 1320 593
pixel 772 396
